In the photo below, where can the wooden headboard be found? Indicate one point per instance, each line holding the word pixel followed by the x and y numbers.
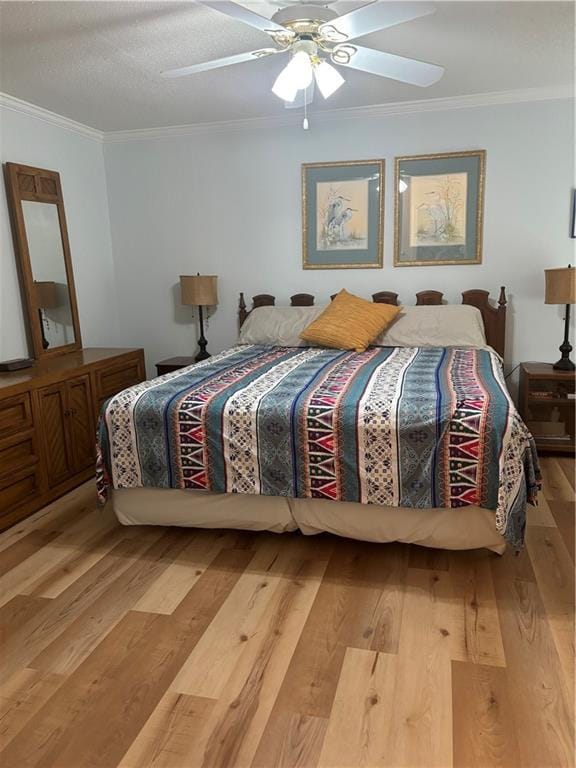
pixel 494 316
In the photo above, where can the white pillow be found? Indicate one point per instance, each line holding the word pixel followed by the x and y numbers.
pixel 278 326
pixel 447 325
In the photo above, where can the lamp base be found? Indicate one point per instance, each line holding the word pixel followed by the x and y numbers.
pixel 202 343
pixel 564 364
pixel 202 355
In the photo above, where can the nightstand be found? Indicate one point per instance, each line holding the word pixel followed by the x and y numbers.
pixel 173 364
pixel 547 406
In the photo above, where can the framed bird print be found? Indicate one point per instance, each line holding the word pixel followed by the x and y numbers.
pixel 342 215
pixel 439 204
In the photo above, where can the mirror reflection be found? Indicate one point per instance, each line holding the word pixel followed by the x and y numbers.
pixel 50 283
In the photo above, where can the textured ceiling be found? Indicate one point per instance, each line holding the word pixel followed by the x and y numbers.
pixel 99 62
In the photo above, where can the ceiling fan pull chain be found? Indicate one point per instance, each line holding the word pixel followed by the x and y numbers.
pixel 305 123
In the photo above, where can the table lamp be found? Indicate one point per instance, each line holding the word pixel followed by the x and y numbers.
pixel 46 297
pixel 561 289
pixel 200 291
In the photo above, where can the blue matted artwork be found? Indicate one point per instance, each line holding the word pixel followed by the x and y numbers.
pixel 439 204
pixel 342 215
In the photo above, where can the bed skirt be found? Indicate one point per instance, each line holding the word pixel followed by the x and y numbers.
pixel 468 527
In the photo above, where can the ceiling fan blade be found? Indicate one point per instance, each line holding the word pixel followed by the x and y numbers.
pixel 217 63
pixel 298 102
pixel 240 13
pixel 388 65
pixel 373 17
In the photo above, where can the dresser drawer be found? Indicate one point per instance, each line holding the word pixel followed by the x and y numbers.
pixel 17 452
pixel 15 414
pixel 114 378
pixel 18 488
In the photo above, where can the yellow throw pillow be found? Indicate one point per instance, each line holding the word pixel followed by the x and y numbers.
pixel 349 322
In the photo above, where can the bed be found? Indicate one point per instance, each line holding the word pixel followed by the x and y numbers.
pixel 421 444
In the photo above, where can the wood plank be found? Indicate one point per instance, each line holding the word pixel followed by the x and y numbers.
pixel 476 634
pixel 387 613
pixel 349 610
pixel 169 589
pixel 57 516
pixel 43 626
pixel 421 721
pixel 539 696
pixel 555 573
pixel 21 697
pixel 24 548
pixel 105 702
pixel 540 514
pixel 567 466
pixel 60 550
pixel 167 739
pixel 554 481
pixel 484 730
pixel 300 743
pixel 235 730
pixel 564 514
pixel 14 615
pixel 358 731
pixel 512 565
pixel 79 639
pixel 212 662
pixel 429 558
pixel 56 580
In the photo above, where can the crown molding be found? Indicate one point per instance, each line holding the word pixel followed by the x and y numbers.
pixel 351 113
pixel 25 108
pixel 291 119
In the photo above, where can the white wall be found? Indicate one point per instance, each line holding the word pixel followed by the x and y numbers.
pixel 80 162
pixel 228 203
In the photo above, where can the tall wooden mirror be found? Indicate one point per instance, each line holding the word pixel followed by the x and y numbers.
pixel 43 253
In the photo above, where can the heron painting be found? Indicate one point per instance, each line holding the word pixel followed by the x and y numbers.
pixel 438 212
pixel 342 214
pixel 438 206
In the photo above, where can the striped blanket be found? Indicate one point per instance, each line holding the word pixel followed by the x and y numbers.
pixel 410 427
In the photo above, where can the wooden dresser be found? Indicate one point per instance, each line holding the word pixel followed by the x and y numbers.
pixel 48 417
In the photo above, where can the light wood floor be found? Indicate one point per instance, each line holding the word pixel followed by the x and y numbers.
pixel 140 647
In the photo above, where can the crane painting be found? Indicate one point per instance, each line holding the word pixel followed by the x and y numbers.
pixel 342 215
pixel 438 210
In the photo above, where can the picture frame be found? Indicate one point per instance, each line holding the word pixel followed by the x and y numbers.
pixel 439 208
pixel 343 215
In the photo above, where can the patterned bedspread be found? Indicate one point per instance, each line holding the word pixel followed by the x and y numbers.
pixel 411 427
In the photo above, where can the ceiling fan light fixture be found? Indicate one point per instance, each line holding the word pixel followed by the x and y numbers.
pixel 328 79
pixel 284 88
pixel 295 76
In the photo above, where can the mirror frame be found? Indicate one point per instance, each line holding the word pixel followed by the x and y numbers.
pixel 24 182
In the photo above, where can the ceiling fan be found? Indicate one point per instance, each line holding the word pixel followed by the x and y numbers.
pixel 316 38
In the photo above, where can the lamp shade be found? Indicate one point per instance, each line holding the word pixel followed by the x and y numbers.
pixel 45 294
pixel 561 285
pixel 199 290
